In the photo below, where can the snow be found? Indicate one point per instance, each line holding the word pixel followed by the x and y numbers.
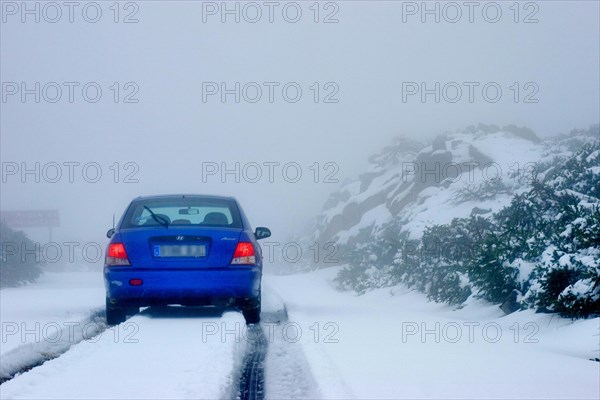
pixel 157 354
pixel 579 288
pixel 513 160
pixel 392 343
pixel 592 156
pixel 288 374
pixel 174 352
pixel 525 269
pixel 428 192
pixel 44 319
pixel 352 189
pixel 388 343
pixel 42 302
pixel 565 261
pixel 509 152
pixel 567 232
pixel 581 222
pixel 374 217
pixel 382 182
pixel 435 210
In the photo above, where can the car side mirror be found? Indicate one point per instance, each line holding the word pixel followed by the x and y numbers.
pixel 262 233
pixel 110 233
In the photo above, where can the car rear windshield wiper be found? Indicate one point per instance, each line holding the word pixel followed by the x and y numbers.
pixel 158 218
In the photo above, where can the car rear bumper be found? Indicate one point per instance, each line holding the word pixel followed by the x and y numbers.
pixel 181 286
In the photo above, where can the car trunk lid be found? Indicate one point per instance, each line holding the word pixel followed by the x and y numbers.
pixel 178 247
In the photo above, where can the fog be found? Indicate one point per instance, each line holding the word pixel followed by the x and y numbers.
pixel 162 118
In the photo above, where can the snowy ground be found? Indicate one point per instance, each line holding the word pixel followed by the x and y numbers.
pixel 389 343
pixel 161 353
pixel 44 319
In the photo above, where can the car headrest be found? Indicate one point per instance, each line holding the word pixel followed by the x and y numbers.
pixel 215 218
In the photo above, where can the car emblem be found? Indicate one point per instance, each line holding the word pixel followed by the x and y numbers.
pixel 179 237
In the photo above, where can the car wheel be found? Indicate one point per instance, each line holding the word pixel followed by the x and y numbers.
pixel 114 313
pixel 251 310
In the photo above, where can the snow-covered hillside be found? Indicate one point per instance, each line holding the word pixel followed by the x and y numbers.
pixel 495 213
pixel 474 171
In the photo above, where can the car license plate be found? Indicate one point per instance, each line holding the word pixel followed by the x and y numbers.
pixel 179 250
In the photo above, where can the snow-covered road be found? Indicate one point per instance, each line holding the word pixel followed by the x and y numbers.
pixel 321 343
pixel 393 343
pixel 42 320
pixel 160 353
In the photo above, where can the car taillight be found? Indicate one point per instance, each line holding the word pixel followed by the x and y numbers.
pixel 116 255
pixel 244 254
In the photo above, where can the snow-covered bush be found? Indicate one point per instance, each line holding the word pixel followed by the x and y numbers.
pixel 441 262
pixel 370 266
pixel 19 258
pixel 488 189
pixel 567 277
pixel 566 283
pixel 544 247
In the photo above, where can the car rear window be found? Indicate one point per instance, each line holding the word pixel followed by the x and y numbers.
pixel 183 211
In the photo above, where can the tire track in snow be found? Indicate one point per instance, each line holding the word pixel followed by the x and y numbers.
pixel 288 372
pixel 274 367
pixel 30 355
pixel 252 379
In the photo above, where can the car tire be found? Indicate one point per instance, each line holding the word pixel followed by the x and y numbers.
pixel 114 313
pixel 251 310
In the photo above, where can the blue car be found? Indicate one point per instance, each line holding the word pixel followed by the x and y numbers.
pixel 183 249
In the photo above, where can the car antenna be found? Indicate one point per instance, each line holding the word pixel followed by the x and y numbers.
pixel 113 221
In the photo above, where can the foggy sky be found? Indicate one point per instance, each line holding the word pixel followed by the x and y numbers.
pixel 171 130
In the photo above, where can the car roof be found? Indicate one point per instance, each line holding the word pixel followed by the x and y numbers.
pixel 175 196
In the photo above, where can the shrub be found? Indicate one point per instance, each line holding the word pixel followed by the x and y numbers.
pixel 17 267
